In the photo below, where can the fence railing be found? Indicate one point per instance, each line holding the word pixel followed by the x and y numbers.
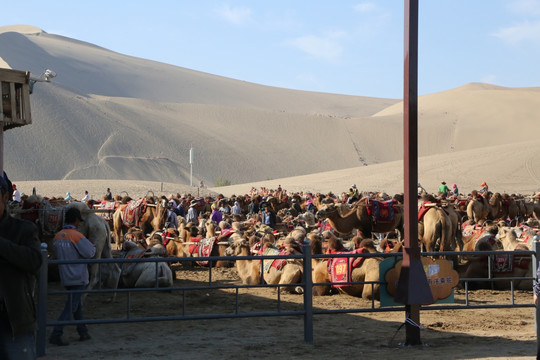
pixel 306 284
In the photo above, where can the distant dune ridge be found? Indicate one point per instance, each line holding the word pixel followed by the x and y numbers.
pixel 108 116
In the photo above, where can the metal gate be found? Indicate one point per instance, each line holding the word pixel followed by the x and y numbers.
pixel 307 311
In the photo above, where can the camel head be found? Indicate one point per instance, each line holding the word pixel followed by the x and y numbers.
pixel 326 211
pixel 238 247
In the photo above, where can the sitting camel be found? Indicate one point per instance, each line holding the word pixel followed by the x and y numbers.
pixel 143 274
pixel 476 238
pixel 277 271
pixel 363 270
pixel 249 271
pixel 517 238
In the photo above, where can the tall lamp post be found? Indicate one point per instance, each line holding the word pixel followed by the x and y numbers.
pixel 191 166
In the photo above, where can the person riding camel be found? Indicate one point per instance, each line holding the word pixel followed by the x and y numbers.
pixel 443 188
pixel 484 188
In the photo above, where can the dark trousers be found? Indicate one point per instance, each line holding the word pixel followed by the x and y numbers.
pixel 21 347
pixel 73 307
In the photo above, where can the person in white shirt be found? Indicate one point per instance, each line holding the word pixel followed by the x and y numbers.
pixel 16 194
pixel 86 197
pixel 236 209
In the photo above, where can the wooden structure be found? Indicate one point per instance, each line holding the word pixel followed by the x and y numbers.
pixel 15 104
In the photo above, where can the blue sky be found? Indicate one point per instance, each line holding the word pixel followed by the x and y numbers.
pixel 345 47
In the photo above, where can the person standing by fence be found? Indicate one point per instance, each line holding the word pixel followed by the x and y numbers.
pixel 20 261
pixel 70 244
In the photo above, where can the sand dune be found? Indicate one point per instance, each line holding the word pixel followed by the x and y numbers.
pixel 120 119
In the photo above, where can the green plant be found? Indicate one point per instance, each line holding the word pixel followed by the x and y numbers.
pixel 222 182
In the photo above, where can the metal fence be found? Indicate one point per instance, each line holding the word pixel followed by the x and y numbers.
pixel 307 311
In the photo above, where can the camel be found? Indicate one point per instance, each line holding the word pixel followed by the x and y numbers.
pixel 151 217
pixel 173 244
pixel 279 271
pixel 477 238
pixel 477 208
pixel 249 271
pixel 318 266
pixel 456 242
pixel 276 204
pixel 477 267
pixel 283 271
pixel 143 274
pixel 189 243
pixel 510 208
pixel 367 271
pixel 496 207
pixel 435 229
pixel 359 218
pixel 517 238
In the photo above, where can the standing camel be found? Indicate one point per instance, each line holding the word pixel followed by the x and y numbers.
pixel 359 218
pixel 151 217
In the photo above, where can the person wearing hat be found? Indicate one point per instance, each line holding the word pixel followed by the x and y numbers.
pixel 172 217
pixel 484 187
pixel 443 188
pixel 192 215
pixel 70 244
pixel 20 261
pixel 455 190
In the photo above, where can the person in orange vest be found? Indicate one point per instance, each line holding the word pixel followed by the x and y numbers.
pixel 484 187
pixel 70 244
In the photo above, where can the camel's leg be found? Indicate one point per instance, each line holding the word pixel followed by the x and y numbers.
pixel 292 274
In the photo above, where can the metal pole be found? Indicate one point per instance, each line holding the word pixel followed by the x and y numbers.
pixel 191 166
pixel 413 289
pixel 308 296
pixel 536 249
pixel 2 146
pixel 41 338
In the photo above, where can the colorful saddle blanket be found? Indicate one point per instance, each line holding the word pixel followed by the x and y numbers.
pixel 201 248
pixel 340 269
pixel 275 263
pixel 382 211
pixel 468 230
pixel 167 236
pixel 111 206
pixel 51 218
pixel 133 211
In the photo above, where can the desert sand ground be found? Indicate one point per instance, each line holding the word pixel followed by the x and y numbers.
pixel 447 334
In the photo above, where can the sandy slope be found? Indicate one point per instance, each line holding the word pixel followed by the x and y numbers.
pixel 111 116
pixel 508 170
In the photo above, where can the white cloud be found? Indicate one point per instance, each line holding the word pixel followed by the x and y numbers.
pixel 524 32
pixel 364 7
pixel 327 47
pixel 235 15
